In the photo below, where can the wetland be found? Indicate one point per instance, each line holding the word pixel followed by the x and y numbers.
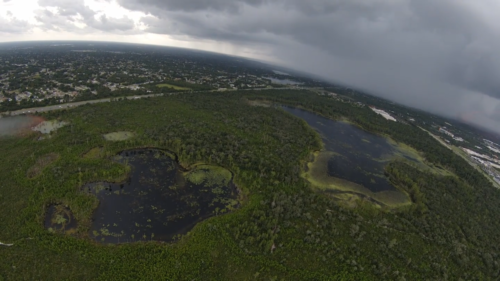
pixel 353 161
pixel 160 200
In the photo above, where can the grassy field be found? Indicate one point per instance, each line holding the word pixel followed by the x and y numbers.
pixel 118 136
pixel 173 87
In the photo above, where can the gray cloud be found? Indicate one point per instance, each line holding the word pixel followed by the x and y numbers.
pixel 437 55
pixel 151 6
pixel 68 12
pixel 13 25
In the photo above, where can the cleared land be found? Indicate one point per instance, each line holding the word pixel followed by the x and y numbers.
pixel 118 136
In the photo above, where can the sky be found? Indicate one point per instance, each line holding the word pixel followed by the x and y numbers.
pixel 441 56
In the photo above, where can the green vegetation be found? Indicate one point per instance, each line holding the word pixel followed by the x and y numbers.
pixel 41 163
pixel 96 152
pixel 182 86
pixel 284 231
pixel 172 87
pixel 209 175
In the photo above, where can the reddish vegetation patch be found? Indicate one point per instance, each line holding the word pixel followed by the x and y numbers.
pixel 26 124
pixel 35 120
pixel 32 122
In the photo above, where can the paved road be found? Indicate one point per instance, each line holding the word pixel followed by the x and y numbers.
pixel 73 104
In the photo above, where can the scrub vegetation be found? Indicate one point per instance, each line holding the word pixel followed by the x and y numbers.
pixel 41 163
pixel 172 87
pixel 283 230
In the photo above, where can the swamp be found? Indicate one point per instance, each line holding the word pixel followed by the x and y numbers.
pixel 353 161
pixel 159 200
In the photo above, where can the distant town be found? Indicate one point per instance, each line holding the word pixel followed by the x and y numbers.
pixel 60 73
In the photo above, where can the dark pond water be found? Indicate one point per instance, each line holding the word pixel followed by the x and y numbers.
pixel 59 218
pixel 156 202
pixel 360 156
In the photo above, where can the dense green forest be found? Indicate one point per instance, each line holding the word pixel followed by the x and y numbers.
pixel 282 231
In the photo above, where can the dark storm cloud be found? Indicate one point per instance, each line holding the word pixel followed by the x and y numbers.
pixel 437 55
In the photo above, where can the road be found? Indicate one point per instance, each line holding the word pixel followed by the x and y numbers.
pixel 73 104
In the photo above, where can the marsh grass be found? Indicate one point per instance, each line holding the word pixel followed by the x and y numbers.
pixel 350 192
pixel 94 153
pixel 209 175
pixel 118 136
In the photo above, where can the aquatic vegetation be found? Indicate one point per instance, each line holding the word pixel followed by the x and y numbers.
pixel 209 175
pixel 47 127
pixel 157 194
pixel 317 174
pixel 60 219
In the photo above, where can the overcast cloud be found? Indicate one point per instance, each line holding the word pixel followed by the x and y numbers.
pixel 441 55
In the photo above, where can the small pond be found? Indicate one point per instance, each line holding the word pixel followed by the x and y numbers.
pixel 159 200
pixel 355 155
pixel 59 218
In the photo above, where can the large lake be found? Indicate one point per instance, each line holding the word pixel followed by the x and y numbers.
pixel 358 156
pixel 159 200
